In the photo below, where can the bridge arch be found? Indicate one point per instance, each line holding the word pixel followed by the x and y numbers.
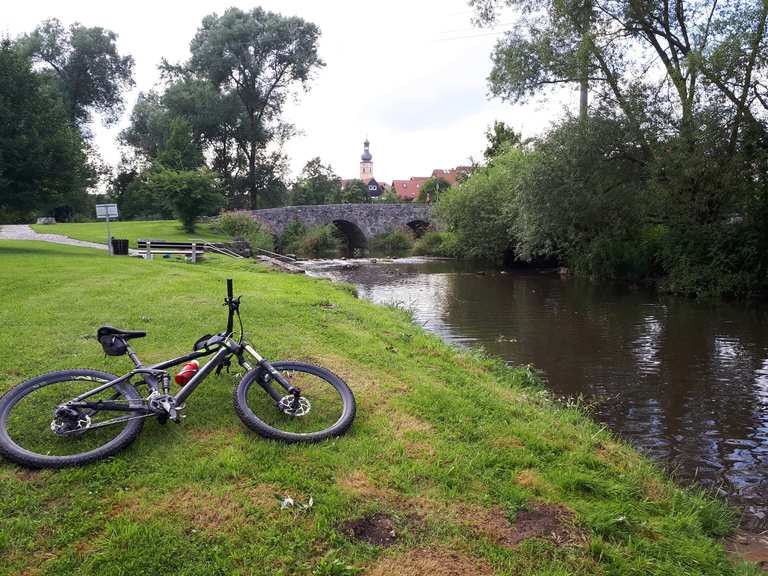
pixel 354 242
pixel 418 227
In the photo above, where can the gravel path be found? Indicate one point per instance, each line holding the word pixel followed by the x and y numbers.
pixel 24 232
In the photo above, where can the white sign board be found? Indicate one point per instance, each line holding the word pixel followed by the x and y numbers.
pixel 106 210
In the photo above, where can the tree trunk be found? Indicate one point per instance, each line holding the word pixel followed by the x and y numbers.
pixel 252 192
pixel 585 50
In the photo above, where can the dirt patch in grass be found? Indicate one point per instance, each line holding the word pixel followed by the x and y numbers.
pixel 550 522
pixel 403 423
pixel 654 490
pixel 200 507
pixel 419 450
pixel 507 442
pixel 429 561
pixel 214 436
pixel 377 529
pixel 360 484
pixel 749 547
pixel 30 476
pixel 416 508
pixel 528 479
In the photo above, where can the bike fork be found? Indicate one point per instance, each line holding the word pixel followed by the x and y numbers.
pixel 264 363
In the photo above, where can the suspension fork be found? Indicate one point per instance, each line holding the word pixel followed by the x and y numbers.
pixel 264 363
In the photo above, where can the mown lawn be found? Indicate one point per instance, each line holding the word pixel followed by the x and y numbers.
pixel 467 466
pixel 170 230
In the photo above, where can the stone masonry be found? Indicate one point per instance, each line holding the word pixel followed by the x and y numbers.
pixel 355 220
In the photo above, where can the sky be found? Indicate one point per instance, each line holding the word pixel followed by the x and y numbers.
pixel 409 75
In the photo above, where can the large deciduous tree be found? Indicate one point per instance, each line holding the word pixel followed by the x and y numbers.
pixel 43 166
pixel 259 57
pixel 91 73
pixel 550 46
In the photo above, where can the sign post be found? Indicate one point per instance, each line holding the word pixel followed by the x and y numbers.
pixel 107 211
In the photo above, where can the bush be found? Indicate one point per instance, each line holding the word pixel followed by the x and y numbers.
pixel 192 193
pixel 435 243
pixel 241 226
pixel 481 210
pixel 393 243
pixel 291 237
pixel 320 242
pixel 260 238
pixel 316 242
pixel 235 224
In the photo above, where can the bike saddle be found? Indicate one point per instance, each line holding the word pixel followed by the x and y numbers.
pixel 125 334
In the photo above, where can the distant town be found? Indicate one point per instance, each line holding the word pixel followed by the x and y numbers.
pixel 406 190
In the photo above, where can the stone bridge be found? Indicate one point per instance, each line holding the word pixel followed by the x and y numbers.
pixel 357 222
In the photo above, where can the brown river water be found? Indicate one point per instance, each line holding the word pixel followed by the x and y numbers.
pixel 683 381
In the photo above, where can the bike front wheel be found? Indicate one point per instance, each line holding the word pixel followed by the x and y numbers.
pixel 35 433
pixel 325 408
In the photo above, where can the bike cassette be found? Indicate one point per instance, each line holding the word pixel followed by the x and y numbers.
pixel 69 426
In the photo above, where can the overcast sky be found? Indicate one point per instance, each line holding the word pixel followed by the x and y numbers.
pixel 411 75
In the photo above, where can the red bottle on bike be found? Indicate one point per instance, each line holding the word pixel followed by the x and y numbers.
pixel 185 374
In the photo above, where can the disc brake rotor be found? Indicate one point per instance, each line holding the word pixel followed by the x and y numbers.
pixel 286 406
pixel 66 427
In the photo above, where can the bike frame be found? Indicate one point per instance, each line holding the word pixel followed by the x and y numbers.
pixel 222 346
pixel 150 374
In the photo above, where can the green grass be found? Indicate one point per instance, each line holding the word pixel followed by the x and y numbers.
pixel 448 444
pixel 170 230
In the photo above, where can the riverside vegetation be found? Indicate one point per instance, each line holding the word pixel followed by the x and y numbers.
pixel 661 177
pixel 456 464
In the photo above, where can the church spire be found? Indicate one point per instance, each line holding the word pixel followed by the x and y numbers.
pixel 366 163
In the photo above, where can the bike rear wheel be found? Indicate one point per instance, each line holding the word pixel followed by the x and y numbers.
pixel 33 436
pixel 326 407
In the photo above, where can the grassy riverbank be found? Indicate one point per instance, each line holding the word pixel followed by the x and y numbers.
pixel 455 464
pixel 170 230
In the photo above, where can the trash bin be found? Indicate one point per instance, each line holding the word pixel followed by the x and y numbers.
pixel 119 247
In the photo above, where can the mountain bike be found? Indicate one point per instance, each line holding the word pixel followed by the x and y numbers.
pixel 73 417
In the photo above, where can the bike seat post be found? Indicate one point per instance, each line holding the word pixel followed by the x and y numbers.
pixel 133 357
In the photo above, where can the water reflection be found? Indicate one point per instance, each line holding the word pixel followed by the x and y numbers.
pixel 685 382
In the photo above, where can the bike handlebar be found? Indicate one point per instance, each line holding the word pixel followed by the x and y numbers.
pixel 229 288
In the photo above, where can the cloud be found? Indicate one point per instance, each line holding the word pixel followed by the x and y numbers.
pixel 409 75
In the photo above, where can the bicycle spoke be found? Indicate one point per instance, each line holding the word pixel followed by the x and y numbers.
pixel 318 408
pixel 34 426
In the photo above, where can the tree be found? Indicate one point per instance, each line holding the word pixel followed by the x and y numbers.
pixel 431 190
pixel 192 193
pixel 259 57
pixel 668 179
pixel 90 72
pixel 481 210
pixel 355 192
pixel 551 47
pixel 43 164
pixel 179 151
pixel 317 184
pixel 499 137
pixel 389 197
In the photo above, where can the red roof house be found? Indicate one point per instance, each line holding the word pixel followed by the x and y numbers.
pixel 408 190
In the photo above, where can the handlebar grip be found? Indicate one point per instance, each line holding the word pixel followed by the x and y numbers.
pixel 229 288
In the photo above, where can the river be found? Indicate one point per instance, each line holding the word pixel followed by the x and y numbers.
pixel 685 382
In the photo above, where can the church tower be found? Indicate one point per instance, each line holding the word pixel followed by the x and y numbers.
pixel 366 163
